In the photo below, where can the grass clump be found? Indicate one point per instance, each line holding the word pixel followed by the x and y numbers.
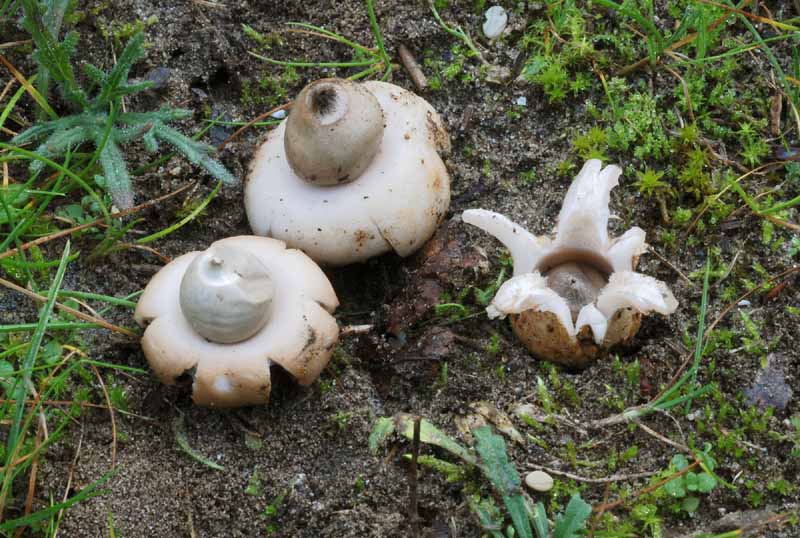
pixel 98 117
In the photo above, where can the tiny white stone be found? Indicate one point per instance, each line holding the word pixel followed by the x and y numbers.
pixel 279 115
pixel 522 101
pixel 496 20
pixel 744 302
pixel 539 481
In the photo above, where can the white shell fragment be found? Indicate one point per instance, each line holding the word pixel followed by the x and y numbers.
pixel 495 23
pixel 577 294
pixel 539 481
pixel 395 204
pixel 299 335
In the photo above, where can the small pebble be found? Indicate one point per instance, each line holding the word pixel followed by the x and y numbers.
pixel 770 388
pixel 539 481
pixel 159 77
pixel 745 303
pixel 522 101
pixel 279 115
pixel 496 20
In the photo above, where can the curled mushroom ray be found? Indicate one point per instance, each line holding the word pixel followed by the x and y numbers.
pixel 582 279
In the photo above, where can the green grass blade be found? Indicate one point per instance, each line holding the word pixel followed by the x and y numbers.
pixel 183 443
pixel 188 218
pixel 30 358
pixel 86 493
pixel 701 328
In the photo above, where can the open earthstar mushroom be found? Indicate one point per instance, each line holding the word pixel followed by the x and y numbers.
pixel 575 295
pixel 353 172
pixel 224 315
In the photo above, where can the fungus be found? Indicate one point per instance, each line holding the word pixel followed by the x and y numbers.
pixel 353 172
pixel 226 314
pixel 575 295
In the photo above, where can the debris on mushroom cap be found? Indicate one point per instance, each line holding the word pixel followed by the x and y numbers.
pixel 577 294
pixel 395 203
pixel 299 336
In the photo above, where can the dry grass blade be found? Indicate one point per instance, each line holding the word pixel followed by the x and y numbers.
pixel 32 478
pixel 757 18
pixel 110 413
pixel 33 92
pixel 250 123
pixel 98 222
pixel 64 308
pixel 12 44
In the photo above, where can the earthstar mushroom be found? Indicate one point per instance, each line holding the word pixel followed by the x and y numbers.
pixel 353 172
pixel 575 295
pixel 224 315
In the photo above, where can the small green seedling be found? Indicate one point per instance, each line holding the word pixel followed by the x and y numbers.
pixel 685 488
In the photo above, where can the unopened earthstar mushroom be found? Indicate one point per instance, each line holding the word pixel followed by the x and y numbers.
pixel 353 172
pixel 221 317
pixel 575 295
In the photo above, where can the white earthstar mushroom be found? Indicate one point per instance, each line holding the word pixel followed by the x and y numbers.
pixel 353 172
pixel 575 295
pixel 226 314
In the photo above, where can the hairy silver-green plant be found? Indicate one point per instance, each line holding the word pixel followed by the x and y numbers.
pixel 98 117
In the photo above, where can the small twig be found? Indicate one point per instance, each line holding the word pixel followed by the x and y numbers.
pixel 588 480
pixel 597 515
pixel 609 506
pixel 207 3
pixel 348 330
pixel 413 508
pixel 11 44
pixel 629 415
pixel 412 66
pixel 663 439
pixel 64 308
